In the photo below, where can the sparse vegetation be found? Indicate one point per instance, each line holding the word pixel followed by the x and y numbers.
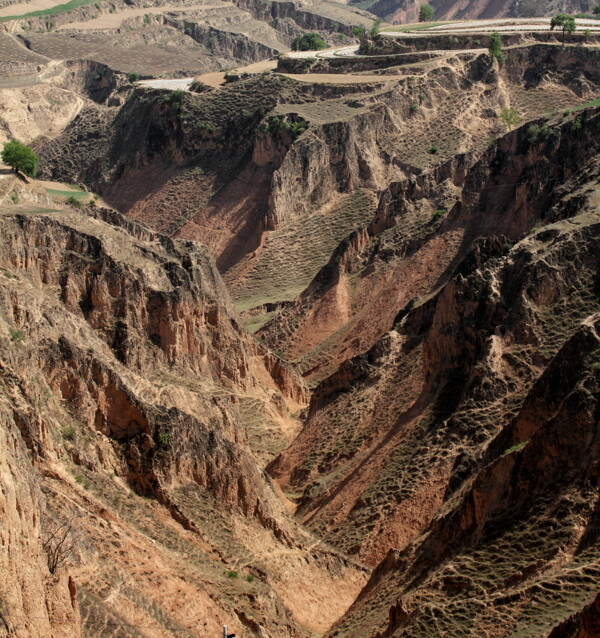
pixel 414 107
pixel 510 117
pixel 133 77
pixel 433 150
pixel 74 201
pixel 16 336
pixel 20 157
pixel 537 133
pixel 59 545
pixel 163 439
pixel 69 433
pixel 438 214
pixel 230 573
pixel 294 129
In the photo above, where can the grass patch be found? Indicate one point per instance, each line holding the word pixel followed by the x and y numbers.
pixel 59 8
pixel 580 107
pixel 515 448
pixel 64 195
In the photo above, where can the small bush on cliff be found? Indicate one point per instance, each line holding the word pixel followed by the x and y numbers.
pixel 510 117
pixel 495 48
pixel 426 12
pixel 59 545
pixel 309 42
pixel 596 10
pixel 133 77
pixel 375 28
pixel 73 201
pixel 536 133
pixel 20 157
pixel 439 213
pixel 175 99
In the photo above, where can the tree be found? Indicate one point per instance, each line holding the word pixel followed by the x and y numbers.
pixel 495 47
pixel 20 157
pixel 426 12
pixel 375 28
pixel 596 10
pixel 309 42
pixel 565 22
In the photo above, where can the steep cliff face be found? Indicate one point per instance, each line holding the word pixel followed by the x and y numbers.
pixel 408 246
pixel 145 408
pixel 396 431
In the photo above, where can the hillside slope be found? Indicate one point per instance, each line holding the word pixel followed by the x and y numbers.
pixel 139 408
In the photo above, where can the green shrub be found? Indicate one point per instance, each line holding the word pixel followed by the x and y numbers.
pixel 536 133
pixel 433 150
pixel 230 573
pixel 439 213
pixel 577 125
pixel 163 439
pixel 250 578
pixel 375 28
pixel 16 336
pixel 68 433
pixel 74 201
pixel 495 48
pixel 309 42
pixel 133 77
pixel 414 107
pixel 426 12
pixel 510 117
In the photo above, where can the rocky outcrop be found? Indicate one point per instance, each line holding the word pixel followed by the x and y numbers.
pixel 133 393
